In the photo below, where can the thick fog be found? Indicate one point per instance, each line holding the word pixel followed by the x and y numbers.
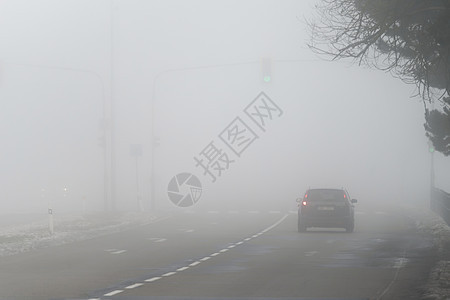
pixel 182 72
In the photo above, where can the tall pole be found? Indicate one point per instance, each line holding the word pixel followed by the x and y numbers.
pixel 112 185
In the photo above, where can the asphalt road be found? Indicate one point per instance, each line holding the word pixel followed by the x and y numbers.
pixel 231 254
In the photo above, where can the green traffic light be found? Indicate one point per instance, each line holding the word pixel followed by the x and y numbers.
pixel 267 78
pixel 431 149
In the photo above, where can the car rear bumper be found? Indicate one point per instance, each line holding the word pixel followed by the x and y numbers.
pixel 328 221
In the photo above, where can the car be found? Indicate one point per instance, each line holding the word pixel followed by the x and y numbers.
pixel 327 208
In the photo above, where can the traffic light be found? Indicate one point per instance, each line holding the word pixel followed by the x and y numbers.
pixel 266 69
pixel 431 147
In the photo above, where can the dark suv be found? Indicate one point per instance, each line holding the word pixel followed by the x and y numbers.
pixel 326 208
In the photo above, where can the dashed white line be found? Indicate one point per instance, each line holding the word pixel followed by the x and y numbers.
pixel 152 279
pixel 134 286
pixel 115 251
pixel 158 240
pixel 194 264
pixel 113 293
pixel 311 253
pixel 380 213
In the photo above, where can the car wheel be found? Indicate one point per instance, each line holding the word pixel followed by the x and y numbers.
pixel 301 227
pixel 350 228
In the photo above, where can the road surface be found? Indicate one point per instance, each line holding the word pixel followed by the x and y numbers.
pixel 231 254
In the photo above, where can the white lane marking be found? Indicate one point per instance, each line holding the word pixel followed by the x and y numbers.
pixel 113 293
pixel 400 262
pixel 158 240
pixel 231 246
pixel 392 281
pixel 152 279
pixel 275 225
pixel 110 250
pixel 311 253
pixel 274 212
pixel 247 239
pixel 239 243
pixel 134 286
pixel 254 236
pixel 195 263
pixel 119 252
pixel 187 230
pixel 381 213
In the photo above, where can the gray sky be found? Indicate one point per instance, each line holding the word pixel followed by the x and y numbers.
pixel 342 125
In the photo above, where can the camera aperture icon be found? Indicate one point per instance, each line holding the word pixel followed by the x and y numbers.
pixel 184 190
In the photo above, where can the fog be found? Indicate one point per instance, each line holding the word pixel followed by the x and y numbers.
pixel 182 71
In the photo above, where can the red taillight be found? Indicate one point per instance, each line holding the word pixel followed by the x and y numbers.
pixel 304 202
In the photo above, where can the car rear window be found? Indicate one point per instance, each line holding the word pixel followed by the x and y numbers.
pixel 325 195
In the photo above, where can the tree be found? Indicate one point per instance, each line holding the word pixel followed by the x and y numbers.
pixel 409 38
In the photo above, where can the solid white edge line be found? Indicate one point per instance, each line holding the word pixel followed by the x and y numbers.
pixel 152 279
pixel 134 286
pixel 113 293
